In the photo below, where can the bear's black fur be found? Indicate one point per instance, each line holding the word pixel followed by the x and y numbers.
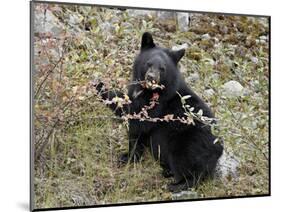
pixel 187 152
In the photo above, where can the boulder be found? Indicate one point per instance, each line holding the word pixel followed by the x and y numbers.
pixel 47 23
pixel 141 13
pixel 185 195
pixel 227 167
pixel 166 15
pixel 232 89
pixel 183 21
pixel 179 47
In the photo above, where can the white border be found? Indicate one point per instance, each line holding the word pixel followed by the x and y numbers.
pixel 14 106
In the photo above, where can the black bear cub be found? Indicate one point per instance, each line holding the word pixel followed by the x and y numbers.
pixel 186 152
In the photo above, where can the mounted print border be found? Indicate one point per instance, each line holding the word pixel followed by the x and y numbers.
pixel 139 106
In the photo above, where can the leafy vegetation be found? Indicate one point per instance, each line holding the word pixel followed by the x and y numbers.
pixel 77 139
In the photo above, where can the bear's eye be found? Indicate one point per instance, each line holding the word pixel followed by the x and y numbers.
pixel 149 64
pixel 162 68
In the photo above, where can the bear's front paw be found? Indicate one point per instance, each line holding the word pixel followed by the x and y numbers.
pixel 167 173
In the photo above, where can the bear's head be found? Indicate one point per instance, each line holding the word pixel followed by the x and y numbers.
pixel 156 66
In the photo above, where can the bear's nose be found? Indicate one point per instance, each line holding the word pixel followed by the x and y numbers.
pixel 150 76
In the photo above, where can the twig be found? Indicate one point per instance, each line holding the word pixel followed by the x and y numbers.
pixel 45 142
pixel 252 141
pixel 46 77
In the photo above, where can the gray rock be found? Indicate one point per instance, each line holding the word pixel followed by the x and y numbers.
pixel 183 69
pixel 107 27
pixel 209 92
pixel 216 40
pixel 255 60
pixel 182 18
pixel 80 199
pixel 126 25
pixel 116 19
pixel 263 21
pixel 232 89
pixel 217 45
pixel 165 15
pixel 47 23
pixel 194 77
pixel 212 62
pixel 263 38
pixel 179 47
pixel 262 42
pixel 87 9
pixel 227 167
pixel 183 21
pixel 141 13
pixel 224 29
pixel 213 24
pixel 215 76
pixel 206 36
pixel 185 195
pixel 246 92
pixel 74 20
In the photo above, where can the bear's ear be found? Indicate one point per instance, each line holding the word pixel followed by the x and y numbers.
pixel 147 41
pixel 177 55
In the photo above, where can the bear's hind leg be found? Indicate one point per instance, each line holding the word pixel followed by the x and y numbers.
pixel 184 175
